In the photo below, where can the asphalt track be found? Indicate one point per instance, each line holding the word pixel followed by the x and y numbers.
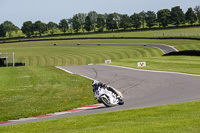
pixel 164 48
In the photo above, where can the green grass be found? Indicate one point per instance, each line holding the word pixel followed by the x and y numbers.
pixel 183 32
pixel 31 91
pixel 37 54
pixel 40 88
pixel 180 44
pixel 75 55
pixel 183 117
pixel 183 64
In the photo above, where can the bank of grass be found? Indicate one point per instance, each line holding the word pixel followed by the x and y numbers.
pixel 75 55
pixel 183 117
pixel 180 44
pixel 183 64
pixel 32 91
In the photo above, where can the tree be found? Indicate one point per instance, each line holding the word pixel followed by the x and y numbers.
pixel 163 17
pixel 88 24
pixel 177 16
pixel 190 16
pixel 100 22
pixel 70 24
pixel 150 19
pixel 76 24
pixel 197 12
pixel 93 16
pixel 27 28
pixel 136 20
pixel 111 24
pixel 10 28
pixel 117 18
pixel 124 21
pixel 40 27
pixel 81 19
pixel 142 17
pixel 63 25
pixel 52 27
pixel 2 31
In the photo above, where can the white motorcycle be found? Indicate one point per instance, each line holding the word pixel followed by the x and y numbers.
pixel 107 97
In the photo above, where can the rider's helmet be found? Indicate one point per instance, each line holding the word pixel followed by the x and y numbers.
pixel 95 83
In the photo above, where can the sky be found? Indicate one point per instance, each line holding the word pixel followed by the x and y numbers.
pixel 19 11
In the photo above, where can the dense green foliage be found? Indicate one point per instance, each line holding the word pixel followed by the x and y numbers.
pixel 2 31
pixel 63 25
pixel 197 12
pixel 9 27
pixel 40 27
pixel 28 28
pixel 135 20
pixel 163 17
pixel 177 16
pixel 88 24
pixel 52 27
pixel 190 16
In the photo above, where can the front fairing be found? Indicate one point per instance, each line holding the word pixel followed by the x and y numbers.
pixel 102 91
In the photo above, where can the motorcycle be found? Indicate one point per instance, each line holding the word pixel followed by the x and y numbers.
pixel 108 98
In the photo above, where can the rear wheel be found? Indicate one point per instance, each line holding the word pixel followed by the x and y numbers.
pixel 106 101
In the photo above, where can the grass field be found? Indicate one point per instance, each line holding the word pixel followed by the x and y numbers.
pixel 76 55
pixel 43 86
pixel 183 64
pixel 36 55
pixel 177 118
pixel 31 91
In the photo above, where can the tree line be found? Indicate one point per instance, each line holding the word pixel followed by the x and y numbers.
pixel 99 22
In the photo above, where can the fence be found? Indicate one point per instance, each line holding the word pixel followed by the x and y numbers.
pixel 7 59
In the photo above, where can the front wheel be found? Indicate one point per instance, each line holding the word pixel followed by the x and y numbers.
pixel 106 101
pixel 121 102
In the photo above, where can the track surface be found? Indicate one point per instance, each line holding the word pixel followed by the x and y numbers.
pixel 164 48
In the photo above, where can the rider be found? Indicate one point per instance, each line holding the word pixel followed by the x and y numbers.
pixel 97 84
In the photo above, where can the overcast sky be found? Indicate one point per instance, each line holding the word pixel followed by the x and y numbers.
pixel 19 11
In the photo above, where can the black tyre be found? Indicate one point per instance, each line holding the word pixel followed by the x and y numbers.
pixel 121 102
pixel 106 101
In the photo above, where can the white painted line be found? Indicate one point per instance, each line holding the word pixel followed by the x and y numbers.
pixel 155 71
pixel 64 69
pixel 87 77
pixel 22 119
pixel 72 73
pixel 85 108
pixel 174 48
pixel 61 113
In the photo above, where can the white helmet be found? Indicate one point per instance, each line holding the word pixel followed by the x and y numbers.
pixel 95 83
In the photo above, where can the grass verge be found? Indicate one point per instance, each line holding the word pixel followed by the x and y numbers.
pixel 183 64
pixel 183 117
pixel 32 91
